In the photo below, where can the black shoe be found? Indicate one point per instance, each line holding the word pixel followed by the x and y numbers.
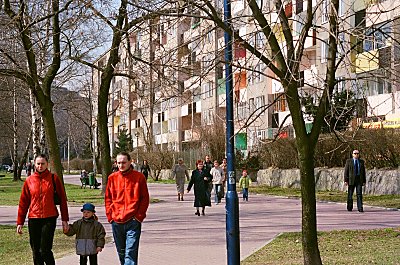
pixel 361 210
pixel 203 213
pixel 197 213
pixel 349 210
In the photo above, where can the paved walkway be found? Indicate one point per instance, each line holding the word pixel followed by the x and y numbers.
pixel 172 234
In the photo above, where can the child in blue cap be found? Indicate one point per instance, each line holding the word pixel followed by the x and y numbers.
pixel 90 235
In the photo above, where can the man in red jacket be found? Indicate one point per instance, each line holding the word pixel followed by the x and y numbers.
pixel 38 196
pixel 126 201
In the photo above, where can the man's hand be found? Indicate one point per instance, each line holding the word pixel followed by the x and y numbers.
pixel 65 226
pixel 99 249
pixel 187 191
pixel 19 229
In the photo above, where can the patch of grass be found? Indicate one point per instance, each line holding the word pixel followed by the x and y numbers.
pixel 378 246
pixel 15 249
pixel 389 201
pixel 10 192
pixel 163 181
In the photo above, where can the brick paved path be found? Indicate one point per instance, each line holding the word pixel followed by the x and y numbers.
pixel 173 235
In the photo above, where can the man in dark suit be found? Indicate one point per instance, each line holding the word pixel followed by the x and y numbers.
pixel 354 177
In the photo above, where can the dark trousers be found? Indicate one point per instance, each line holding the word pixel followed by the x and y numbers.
pixel 92 259
pixel 350 192
pixel 245 192
pixel 41 234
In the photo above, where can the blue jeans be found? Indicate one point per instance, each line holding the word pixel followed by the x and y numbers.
pixel 126 237
pixel 350 193
pixel 245 194
pixel 217 190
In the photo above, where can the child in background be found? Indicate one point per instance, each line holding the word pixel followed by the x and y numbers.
pixel 90 235
pixel 244 183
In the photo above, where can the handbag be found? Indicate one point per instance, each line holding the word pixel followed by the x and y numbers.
pixel 57 199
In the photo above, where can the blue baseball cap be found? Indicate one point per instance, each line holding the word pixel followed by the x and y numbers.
pixel 88 207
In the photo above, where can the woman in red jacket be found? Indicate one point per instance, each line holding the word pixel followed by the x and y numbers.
pixel 37 196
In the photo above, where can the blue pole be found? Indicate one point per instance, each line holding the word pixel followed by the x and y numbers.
pixel 232 202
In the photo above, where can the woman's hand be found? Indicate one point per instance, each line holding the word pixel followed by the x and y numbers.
pixel 19 229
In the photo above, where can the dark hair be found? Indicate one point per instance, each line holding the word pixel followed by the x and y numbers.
pixel 125 154
pixel 199 161
pixel 42 156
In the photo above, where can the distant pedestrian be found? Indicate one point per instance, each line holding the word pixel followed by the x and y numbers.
pixel 28 169
pixel 354 177
pixel 217 174
pixel 145 169
pixel 224 166
pixel 180 172
pixel 126 201
pixel 200 179
pixel 37 196
pixel 244 183
pixel 90 235
pixel 208 164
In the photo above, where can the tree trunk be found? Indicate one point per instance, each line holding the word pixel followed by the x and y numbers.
pixel 35 112
pixel 50 130
pixel 24 156
pixel 15 128
pixel 311 253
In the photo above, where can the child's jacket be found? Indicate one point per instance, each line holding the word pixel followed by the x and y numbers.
pixel 244 183
pixel 90 234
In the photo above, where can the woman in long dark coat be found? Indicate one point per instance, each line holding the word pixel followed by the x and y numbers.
pixel 200 179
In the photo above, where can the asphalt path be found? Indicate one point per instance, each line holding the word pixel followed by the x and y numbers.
pixel 173 234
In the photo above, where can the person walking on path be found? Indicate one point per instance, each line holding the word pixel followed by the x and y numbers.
pixel 145 169
pixel 200 179
pixel 217 174
pixel 90 235
pixel 224 166
pixel 354 178
pixel 37 196
pixel 244 183
pixel 126 202
pixel 180 172
pixel 208 164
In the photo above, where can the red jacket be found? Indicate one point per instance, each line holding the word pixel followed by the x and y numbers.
pixel 126 196
pixel 38 196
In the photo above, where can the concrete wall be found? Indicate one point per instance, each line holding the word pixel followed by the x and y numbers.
pixel 378 181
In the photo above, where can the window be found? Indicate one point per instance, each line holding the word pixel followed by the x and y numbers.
pixel 252 106
pixel 208 117
pixel 259 39
pixel 161 117
pixel 173 125
pixel 260 101
pixel 340 84
pixel 299 6
pixel 207 90
pixel 324 11
pixel 341 10
pixel 137 123
pixel 377 36
pixel 241 110
pixel 260 3
pixel 280 102
pixel 240 51
pixel 324 51
pixel 377 86
pixel 240 80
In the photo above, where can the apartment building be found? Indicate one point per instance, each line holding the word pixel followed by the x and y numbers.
pixel 177 87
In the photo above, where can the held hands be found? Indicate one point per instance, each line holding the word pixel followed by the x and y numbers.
pixel 19 229
pixel 187 191
pixel 65 227
pixel 99 249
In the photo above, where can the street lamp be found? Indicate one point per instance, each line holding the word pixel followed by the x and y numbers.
pixel 137 134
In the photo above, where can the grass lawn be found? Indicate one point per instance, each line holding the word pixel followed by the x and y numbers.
pixel 389 201
pixel 10 192
pixel 15 249
pixel 379 246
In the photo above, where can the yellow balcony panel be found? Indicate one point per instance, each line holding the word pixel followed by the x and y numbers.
pixel 367 61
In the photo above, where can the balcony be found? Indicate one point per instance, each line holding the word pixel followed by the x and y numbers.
pixel 367 61
pixel 190 135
